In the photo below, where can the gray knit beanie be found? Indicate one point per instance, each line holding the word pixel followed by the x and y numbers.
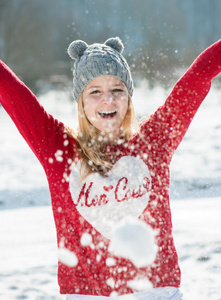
pixel 97 60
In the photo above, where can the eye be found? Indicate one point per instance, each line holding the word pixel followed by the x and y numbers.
pixel 95 92
pixel 117 91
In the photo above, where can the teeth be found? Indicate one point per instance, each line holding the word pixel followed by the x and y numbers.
pixel 107 112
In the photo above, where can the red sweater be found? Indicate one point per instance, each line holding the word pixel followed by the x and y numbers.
pixel 138 184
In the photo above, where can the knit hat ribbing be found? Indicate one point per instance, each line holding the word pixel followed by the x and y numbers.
pixel 98 60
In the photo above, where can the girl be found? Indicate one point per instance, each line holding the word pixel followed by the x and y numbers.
pixel 103 172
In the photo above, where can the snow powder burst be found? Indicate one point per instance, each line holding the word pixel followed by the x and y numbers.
pixel 133 239
pixel 86 239
pixel 67 257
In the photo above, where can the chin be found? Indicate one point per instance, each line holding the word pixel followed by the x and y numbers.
pixel 108 131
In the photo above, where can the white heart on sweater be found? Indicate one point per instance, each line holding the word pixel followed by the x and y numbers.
pixel 105 201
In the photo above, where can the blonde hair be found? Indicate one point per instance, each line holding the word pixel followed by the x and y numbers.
pixel 90 140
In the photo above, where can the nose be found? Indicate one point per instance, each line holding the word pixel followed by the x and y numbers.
pixel 107 97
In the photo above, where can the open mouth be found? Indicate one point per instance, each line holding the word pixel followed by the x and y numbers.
pixel 107 114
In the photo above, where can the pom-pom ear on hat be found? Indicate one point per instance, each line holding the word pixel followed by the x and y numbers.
pixel 77 49
pixel 116 44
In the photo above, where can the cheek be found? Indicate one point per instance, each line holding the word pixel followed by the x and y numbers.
pixel 124 108
pixel 89 108
pixel 86 105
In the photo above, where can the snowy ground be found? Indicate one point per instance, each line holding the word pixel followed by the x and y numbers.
pixel 28 254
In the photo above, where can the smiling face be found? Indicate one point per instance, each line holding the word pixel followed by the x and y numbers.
pixel 105 101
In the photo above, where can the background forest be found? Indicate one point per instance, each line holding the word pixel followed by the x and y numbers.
pixel 160 36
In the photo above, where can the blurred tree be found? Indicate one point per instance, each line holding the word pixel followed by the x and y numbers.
pixel 159 35
pixel 24 32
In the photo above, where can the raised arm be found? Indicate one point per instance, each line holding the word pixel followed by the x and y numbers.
pixel 171 121
pixel 38 128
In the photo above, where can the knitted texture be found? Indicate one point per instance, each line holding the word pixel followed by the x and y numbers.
pixel 98 60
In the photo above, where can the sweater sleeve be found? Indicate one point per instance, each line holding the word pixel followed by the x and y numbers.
pixel 171 121
pixel 38 128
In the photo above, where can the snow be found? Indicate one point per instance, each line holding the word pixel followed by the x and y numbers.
pixel 28 252
pixel 67 257
pixel 133 239
pixel 86 239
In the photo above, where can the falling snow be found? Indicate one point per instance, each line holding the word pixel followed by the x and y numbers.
pixel 133 239
pixel 28 255
pixel 67 257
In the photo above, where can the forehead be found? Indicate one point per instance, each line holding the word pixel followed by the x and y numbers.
pixel 105 81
